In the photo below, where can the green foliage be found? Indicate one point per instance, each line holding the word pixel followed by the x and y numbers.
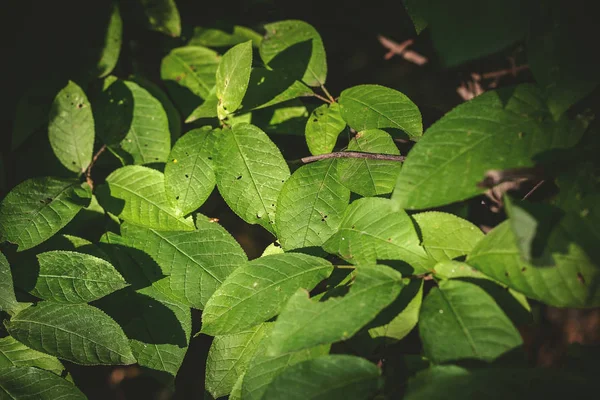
pixel 125 216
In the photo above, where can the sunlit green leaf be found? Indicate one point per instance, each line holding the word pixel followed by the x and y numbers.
pixel 14 353
pixel 369 177
pixel 304 323
pixel 373 106
pixel 233 76
pixel 250 173
pixel 311 205
pixel 36 209
pixel 71 128
pixel 137 194
pixel 323 127
pixel 258 291
pixel 75 332
pixel 32 383
pixel 338 376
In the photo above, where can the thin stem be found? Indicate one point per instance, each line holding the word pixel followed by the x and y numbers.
pixel 533 189
pixel 350 154
pixel 509 71
pixel 88 171
pixel 318 96
pixel 330 97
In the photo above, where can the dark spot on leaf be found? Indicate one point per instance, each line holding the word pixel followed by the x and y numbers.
pixel 239 177
pixel 210 158
pixel 523 269
pixel 580 278
pixel 322 219
pixel 282 180
pixel 224 108
pixel 353 226
pixel 79 105
pixel 506 274
pixel 272 205
pixel 187 176
pixel 145 145
pixel 156 158
pixel 74 163
pixel 276 244
pixel 315 120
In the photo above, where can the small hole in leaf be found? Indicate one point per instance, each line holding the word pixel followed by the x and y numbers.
pixel 276 244
pixel 315 120
pixel 210 158
pixel 145 145
pixel 322 219
pixel 79 105
pixel 187 176
pixel 239 177
pixel 74 163
pixel 506 274
pixel 523 269
pixel 176 197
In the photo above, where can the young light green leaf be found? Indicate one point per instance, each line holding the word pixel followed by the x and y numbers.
pixel 373 106
pixel 189 72
pixel 304 323
pixel 250 173
pixel 323 127
pixel 137 194
pixel 189 174
pixel 273 248
pixel 264 368
pixel 497 130
pixel 568 282
pixel 258 291
pixel 233 76
pixel 446 236
pixel 8 301
pixel 148 139
pixel 212 37
pixel 229 356
pixel 32 383
pixel 162 16
pixel 400 317
pixel 71 128
pixel 75 332
pixel 459 320
pixel 370 177
pixel 335 377
pixel 289 35
pixel 196 262
pixel 311 205
pixel 267 88
pixel 112 43
pixel 158 328
pixel 288 118
pixel 372 230
pixel 236 390
pixel 71 277
pixel 37 208
pixel 16 354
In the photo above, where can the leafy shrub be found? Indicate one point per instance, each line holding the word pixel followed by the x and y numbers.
pixel 370 248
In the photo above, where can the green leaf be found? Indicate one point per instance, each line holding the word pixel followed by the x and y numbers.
pixel 137 194
pixel 498 130
pixel 162 16
pixel 286 34
pixel 31 383
pixel 259 290
pixel 370 177
pixel 197 262
pixel 401 316
pixel 460 320
pixel 412 8
pixel 14 353
pixel 189 174
pixel 8 301
pixel 229 357
pixel 189 73
pixel 311 205
pixel 442 382
pixel 233 76
pixel 373 106
pixel 71 277
pixel 338 376
pixel 158 328
pixel 323 127
pixel 288 118
pixel 36 209
pixel 172 113
pixel 267 88
pixel 236 390
pixel 371 230
pixel 264 368
pixel 114 100
pixel 569 282
pixel 491 27
pixel 112 44
pixel 71 128
pixel 75 332
pixel 304 323
pixel 212 37
pixel 446 236
pixel 148 139
pixel 250 173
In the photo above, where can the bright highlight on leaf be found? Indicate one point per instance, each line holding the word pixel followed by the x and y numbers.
pixel 233 76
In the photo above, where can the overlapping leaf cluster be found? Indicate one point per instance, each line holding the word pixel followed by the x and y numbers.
pixel 356 239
